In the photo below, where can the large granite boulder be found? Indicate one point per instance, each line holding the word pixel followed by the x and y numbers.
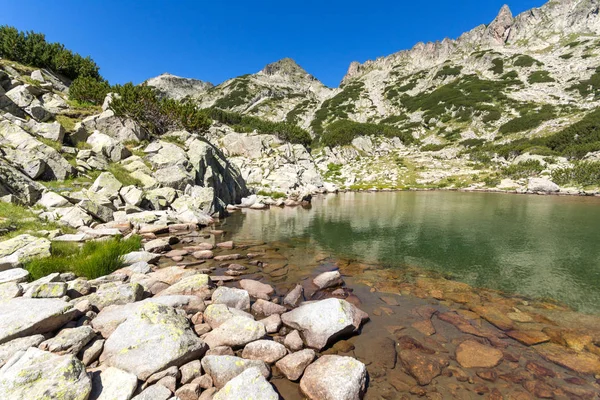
pixel 232 298
pixel 38 374
pixel 14 182
pixel 155 337
pixel 15 251
pixel 236 332
pixel 120 129
pixel 325 320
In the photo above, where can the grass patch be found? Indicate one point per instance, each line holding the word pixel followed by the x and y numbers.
pixel 540 77
pixel 273 195
pixel 16 220
pixel 50 143
pixel 341 133
pixel 67 123
pixel 173 139
pixel 123 175
pixel 92 260
pixel 525 61
pixel 529 120
pixel 433 147
pixel 498 66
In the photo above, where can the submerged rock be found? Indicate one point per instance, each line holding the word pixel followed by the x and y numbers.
pixel 334 378
pixel 328 279
pixel 472 354
pixel 38 374
pixel 325 320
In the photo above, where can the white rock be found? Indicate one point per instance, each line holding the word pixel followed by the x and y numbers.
pixel 224 368
pixel 113 384
pixel 250 384
pixel 235 332
pixel 334 378
pixel 293 365
pixel 232 298
pixel 264 350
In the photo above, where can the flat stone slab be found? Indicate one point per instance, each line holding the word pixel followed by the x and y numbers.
pixel 23 317
pixel 15 251
pixel 14 275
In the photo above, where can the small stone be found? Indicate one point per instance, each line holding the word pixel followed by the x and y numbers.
pixel 190 371
pixel 266 308
pixel 226 245
pixel 264 350
pixel 272 323
pixel 293 365
pixel 224 368
pixel 204 381
pixel 235 332
pixel 232 298
pixel 113 384
pixel 154 392
pixel 257 290
pixel 328 279
pixel 69 341
pixel 293 341
pixel 529 337
pixel 189 391
pixel 203 255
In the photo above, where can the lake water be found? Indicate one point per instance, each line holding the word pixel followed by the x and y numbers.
pixel 536 246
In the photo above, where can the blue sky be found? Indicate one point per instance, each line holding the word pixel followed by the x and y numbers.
pixel 218 40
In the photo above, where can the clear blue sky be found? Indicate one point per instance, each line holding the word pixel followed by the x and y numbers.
pixel 217 40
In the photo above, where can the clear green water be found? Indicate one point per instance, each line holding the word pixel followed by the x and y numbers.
pixel 537 246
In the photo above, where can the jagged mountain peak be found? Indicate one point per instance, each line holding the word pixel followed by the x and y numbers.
pixel 177 87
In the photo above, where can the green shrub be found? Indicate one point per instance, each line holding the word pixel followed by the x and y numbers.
pixel 525 61
pixel 86 89
pixel 583 173
pixel 523 169
pixel 92 260
pixel 448 71
pixel 498 66
pixel 337 107
pixel 472 142
pixel 510 76
pixel 567 56
pixel 540 77
pixel 433 147
pixel 492 115
pixel 238 96
pixel 341 133
pixel 31 48
pixel 589 86
pixel 529 120
pixel 577 140
pixel 157 115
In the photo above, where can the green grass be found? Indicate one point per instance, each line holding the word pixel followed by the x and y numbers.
pixel 51 143
pixel 67 123
pixel 273 195
pixel 175 140
pixel 540 77
pixel 123 175
pixel 16 220
pixel 525 61
pixel 92 260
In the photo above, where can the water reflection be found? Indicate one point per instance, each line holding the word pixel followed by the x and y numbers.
pixel 533 245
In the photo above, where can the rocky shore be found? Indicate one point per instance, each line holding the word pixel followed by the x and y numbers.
pixel 195 315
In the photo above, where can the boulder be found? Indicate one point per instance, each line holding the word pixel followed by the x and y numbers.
pixel 16 183
pixel 175 177
pixel 154 392
pixel 267 308
pixel 51 131
pixel 216 314
pixel 115 294
pixel 120 129
pixel 10 290
pixel 15 275
pixel 272 323
pixel 107 146
pixel 52 200
pixel 542 185
pixel 113 384
pixel 15 251
pixel 152 339
pixel 9 349
pixel 38 374
pixel 295 297
pixel 140 256
pixel 293 365
pixel 232 298
pixel 106 185
pixel 23 317
pixel 195 285
pixel 69 341
pixel 325 320
pixel 250 384
pixel 264 350
pixel 74 217
pixel 46 290
pixel 222 369
pixel 257 289
pixel 334 378
pixel 235 332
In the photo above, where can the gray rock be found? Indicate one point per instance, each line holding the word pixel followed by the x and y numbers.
pixel 15 275
pixel 542 185
pixel 113 384
pixel 328 279
pixel 177 88
pixel 51 131
pixel 232 298
pixel 140 256
pixel 195 285
pixel 15 251
pixel 106 185
pixel 74 217
pixel 69 341
pixel 216 314
pixel 264 350
pixel 235 332
pixel 250 384
pixel 266 308
pixel 10 290
pixel 47 290
pixel 38 374
pixel 9 349
pixel 293 365
pixel 295 297
pixel 257 289
pixel 91 352
pixel 16 183
pixel 224 368
pixel 334 378
pixel 154 392
pixel 325 320
pixel 120 129
pixel 152 339
pixel 272 323
pixel 116 294
pixel 23 317
pixel 175 177
pixel 52 200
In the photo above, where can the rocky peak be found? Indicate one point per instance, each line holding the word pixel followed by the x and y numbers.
pixel 178 88
pixel 284 67
pixel 499 30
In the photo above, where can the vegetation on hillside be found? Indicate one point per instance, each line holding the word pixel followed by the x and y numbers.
pixel 583 173
pixel 31 48
pixel 342 132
